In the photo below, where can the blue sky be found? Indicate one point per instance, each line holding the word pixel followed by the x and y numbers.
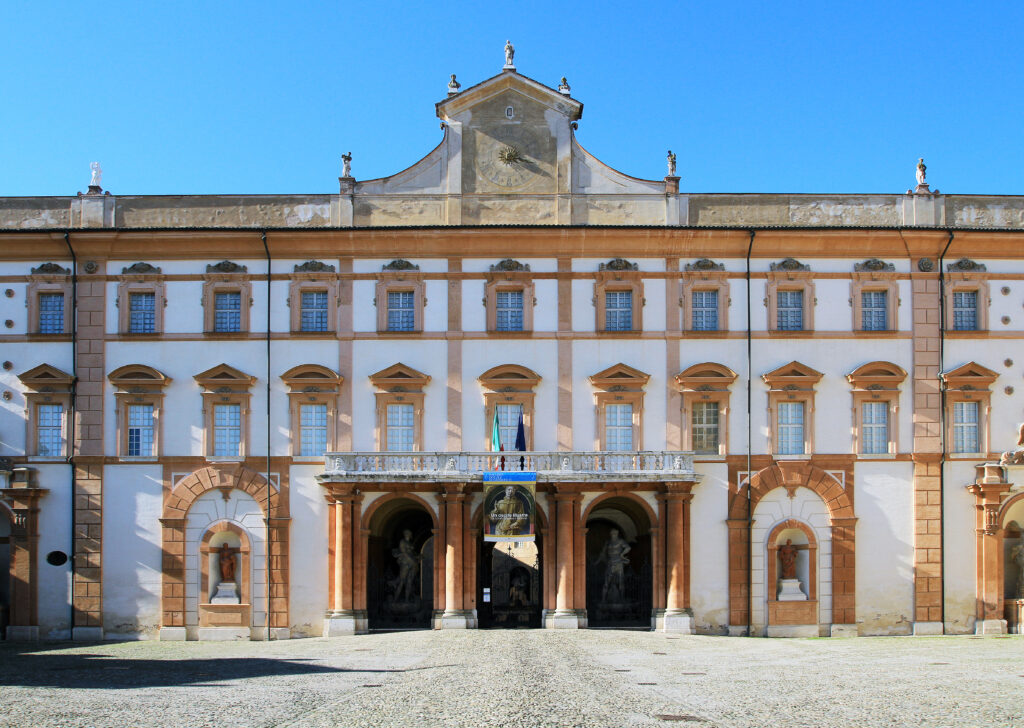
pixel 260 97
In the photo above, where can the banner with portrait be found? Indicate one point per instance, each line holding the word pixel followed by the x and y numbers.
pixel 509 506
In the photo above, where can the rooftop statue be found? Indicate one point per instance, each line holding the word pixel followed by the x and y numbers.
pixel 921 170
pixel 510 52
pixel 671 164
pixel 346 163
pixel 97 174
pixel 453 86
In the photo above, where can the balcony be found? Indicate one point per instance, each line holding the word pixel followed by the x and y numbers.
pixel 562 466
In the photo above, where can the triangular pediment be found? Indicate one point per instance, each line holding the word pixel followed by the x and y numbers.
pixel 399 375
pixel 45 376
pixel 972 375
pixel 793 373
pixel 223 374
pixel 522 85
pixel 619 375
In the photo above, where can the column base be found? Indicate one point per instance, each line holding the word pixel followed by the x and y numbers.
pixel 982 626
pixel 457 619
pixel 737 630
pixel 793 630
pixel 173 634
pixel 678 621
pixel 345 622
pixel 86 634
pixel 843 630
pixel 224 634
pixel 22 634
pixel 563 619
pixel 927 629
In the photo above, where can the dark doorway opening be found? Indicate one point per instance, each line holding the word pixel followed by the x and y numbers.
pixel 619 574
pixel 6 544
pixel 509 584
pixel 400 567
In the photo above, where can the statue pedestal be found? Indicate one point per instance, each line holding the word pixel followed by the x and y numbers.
pixel 790 591
pixel 227 593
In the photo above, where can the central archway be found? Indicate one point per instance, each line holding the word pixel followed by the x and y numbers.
pixel 619 564
pixel 400 566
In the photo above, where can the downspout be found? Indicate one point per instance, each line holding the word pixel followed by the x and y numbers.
pixel 750 514
pixel 266 512
pixel 71 430
pixel 942 414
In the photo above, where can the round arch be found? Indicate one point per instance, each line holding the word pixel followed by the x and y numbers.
pixel 1004 509
pixel 225 477
pixel 372 509
pixel 793 475
pixel 652 518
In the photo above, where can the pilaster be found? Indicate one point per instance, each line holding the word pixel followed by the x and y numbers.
pixel 455 615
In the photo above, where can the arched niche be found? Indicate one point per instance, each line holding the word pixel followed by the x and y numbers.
pixel 619 561
pixel 402 560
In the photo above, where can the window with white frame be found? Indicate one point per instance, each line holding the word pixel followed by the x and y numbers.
pixel 966 426
pixel 400 423
pixel 705 310
pixel 140 430
pixel 401 311
pixel 965 311
pixel 508 424
pixel 227 430
pixel 874 428
pixel 704 421
pixel 141 313
pixel 50 430
pixel 791 428
pixel 51 313
pixel 509 310
pixel 874 310
pixel 312 429
pixel 618 307
pixel 790 310
pixel 227 311
pixel 313 316
pixel 618 426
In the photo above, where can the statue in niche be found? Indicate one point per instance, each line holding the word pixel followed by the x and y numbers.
pixel 614 554
pixel 787 560
pixel 227 562
pixel 1017 556
pixel 510 52
pixel 518 595
pixel 404 584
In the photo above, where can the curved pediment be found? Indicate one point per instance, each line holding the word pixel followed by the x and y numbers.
pixel 509 375
pixel 707 375
pixel 312 375
pixel 132 376
pixel 877 375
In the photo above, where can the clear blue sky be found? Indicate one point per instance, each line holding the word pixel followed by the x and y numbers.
pixel 260 97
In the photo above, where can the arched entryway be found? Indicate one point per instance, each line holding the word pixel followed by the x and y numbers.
pixel 400 566
pixel 510 579
pixel 619 564
pixel 5 571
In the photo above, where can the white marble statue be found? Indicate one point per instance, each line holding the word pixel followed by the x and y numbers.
pixel 671 164
pixel 346 164
pixel 921 169
pixel 97 174
pixel 510 52
pixel 1018 559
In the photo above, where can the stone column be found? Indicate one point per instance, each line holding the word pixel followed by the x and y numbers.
pixel 24 614
pixel 678 617
pixel 564 616
pixel 989 488
pixel 455 615
pixel 342 619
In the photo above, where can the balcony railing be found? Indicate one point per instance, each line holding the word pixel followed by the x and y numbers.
pixel 549 466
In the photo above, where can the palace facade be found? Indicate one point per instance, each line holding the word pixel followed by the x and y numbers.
pixel 258 416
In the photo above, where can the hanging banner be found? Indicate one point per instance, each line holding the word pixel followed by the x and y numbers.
pixel 509 503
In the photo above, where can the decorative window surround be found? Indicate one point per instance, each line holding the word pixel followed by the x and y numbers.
pixel 399 384
pixel 962 276
pixel 398 279
pixel 309 278
pixel 875 275
pixel 224 384
pixel 506 277
pixel 969 383
pixel 141 278
pixel 878 381
pixel 619 384
pixel 793 382
pixel 49 278
pixel 312 384
pixel 226 277
pixel 619 275
pixel 46 385
pixel 706 382
pixel 705 275
pixel 790 275
pixel 138 384
pixel 509 384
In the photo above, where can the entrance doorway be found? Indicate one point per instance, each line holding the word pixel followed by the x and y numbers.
pixel 509 584
pixel 619 576
pixel 400 567
pixel 5 573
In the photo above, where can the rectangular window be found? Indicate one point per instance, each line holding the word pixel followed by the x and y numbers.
pixel 50 430
pixel 790 310
pixel 874 311
pixel 705 427
pixel 401 311
pixel 874 428
pixel 618 310
pixel 141 313
pixel 705 310
pixel 965 427
pixel 401 421
pixel 51 313
pixel 227 430
pixel 791 428
pixel 227 312
pixel 508 424
pixel 140 430
pixel 618 426
pixel 314 311
pixel 965 313
pixel 509 310
pixel 313 429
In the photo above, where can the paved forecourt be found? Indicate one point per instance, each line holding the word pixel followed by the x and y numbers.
pixel 518 678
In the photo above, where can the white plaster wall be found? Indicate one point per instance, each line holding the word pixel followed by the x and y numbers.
pixel 591 265
pixel 1006 304
pixel 307 552
pixel 14 307
pixel 960 548
pixel 364 312
pixel 132 505
pixel 54 535
pixel 885 547
pixel 709 544
pixel 584 317
pixel 545 312
pixel 474 313
pixel 653 305
pixel 1007 409
pixel 435 313
pixel 12 411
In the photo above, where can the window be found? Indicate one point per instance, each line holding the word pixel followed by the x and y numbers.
pixel 705 310
pixel 618 427
pixel 401 311
pixel 400 298
pixel 400 424
pixel 791 428
pixel 965 427
pixel 141 300
pixel 874 428
pixel 227 312
pixel 968 408
pixel 965 311
pixel 313 429
pixel 508 424
pixel 790 311
pixel 874 310
pixel 226 411
pixel 509 392
pixel 140 430
pixel 313 298
pixel 618 307
pixel 314 311
pixel 142 313
pixel 139 403
pixel 227 298
pixel 618 297
pixel 50 430
pixel 51 313
pixel 509 311
pixel 227 430
pixel 705 427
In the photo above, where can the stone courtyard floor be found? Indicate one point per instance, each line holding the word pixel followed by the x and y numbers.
pixel 517 678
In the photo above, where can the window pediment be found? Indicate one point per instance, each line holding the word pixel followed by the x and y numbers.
pixel 312 375
pixel 620 375
pixel 877 375
pixel 46 378
pixel 138 378
pixel 509 377
pixel 970 376
pixel 222 376
pixel 399 375
pixel 792 375
pixel 707 376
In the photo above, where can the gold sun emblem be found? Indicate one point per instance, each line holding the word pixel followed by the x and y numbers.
pixel 509 155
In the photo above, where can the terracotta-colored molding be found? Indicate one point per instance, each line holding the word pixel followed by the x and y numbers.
pixel 619 384
pixel 214 283
pixel 867 281
pixel 138 384
pixel 694 282
pixel 793 382
pixel 783 280
pixel 706 382
pixel 399 384
pixel 877 381
pixel 223 384
pixel 312 384
pixel 970 382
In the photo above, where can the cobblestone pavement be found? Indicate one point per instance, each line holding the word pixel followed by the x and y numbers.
pixel 517 678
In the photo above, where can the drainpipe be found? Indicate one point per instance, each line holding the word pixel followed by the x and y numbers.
pixel 71 430
pixel 266 513
pixel 750 514
pixel 942 412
